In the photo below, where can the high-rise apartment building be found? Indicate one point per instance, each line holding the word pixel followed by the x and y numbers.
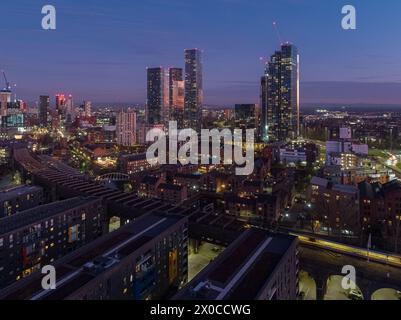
pixel 280 95
pixel 176 95
pixel 193 89
pixel 88 108
pixel 156 96
pixel 5 100
pixel 44 103
pixel 61 104
pixel 126 128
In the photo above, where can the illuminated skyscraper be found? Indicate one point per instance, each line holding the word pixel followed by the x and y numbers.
pixel 70 110
pixel 44 103
pixel 126 128
pixel 280 96
pixel 60 104
pixel 176 92
pixel 88 108
pixel 156 96
pixel 193 89
pixel 5 100
pixel 264 90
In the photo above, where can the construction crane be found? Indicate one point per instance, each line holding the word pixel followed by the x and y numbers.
pixel 280 40
pixel 8 86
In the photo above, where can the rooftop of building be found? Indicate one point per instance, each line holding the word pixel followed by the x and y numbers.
pixel 149 179
pixel 192 176
pixel 170 186
pixel 34 215
pixel 374 190
pixel 10 193
pixel 242 270
pixel 85 264
pixel 134 157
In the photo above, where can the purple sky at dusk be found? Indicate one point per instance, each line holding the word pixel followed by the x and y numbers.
pixel 101 48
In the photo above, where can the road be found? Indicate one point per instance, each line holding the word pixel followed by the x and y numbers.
pixel 326 260
pixel 386 259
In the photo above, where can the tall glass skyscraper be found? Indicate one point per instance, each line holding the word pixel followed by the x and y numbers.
pixel 176 89
pixel 193 89
pixel 280 96
pixel 155 103
pixel 44 104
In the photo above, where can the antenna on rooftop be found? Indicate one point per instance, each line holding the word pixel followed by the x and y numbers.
pixel 275 26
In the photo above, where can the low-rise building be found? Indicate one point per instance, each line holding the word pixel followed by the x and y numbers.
pixel 146 259
pixel 39 236
pixel 335 206
pixel 134 163
pixel 257 266
pixel 18 199
pixel 173 193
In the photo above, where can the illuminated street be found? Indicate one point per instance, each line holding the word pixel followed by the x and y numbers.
pixel 353 251
pixel 328 265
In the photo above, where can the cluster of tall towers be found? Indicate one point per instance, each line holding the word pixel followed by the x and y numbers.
pixel 280 103
pixel 175 94
pixel 65 111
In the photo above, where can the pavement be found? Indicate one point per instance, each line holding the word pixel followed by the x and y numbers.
pixel 335 291
pixel 386 294
pixel 307 286
pixel 198 261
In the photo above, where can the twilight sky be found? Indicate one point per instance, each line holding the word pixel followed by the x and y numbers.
pixel 101 48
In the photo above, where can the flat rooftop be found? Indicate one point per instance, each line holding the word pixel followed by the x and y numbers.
pixel 27 217
pixel 242 270
pixel 86 263
pixel 11 193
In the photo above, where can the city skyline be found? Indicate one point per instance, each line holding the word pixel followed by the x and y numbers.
pixel 361 69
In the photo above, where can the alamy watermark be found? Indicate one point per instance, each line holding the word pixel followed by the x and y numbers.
pixel 233 147
pixel 49 20
pixel 349 20
pixel 49 280
pixel 349 280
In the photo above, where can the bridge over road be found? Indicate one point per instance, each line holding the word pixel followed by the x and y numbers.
pixel 370 276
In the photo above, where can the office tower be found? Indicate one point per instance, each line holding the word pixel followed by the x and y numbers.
pixel 280 95
pixel 193 89
pixel 156 96
pixel 61 104
pixel 44 103
pixel 176 95
pixel 245 116
pixel 38 236
pixel 126 128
